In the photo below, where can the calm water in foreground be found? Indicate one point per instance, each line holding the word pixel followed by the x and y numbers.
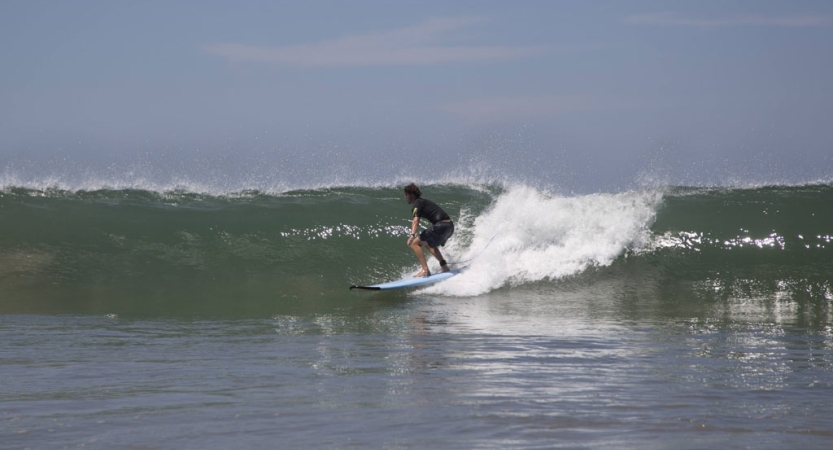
pixel 391 371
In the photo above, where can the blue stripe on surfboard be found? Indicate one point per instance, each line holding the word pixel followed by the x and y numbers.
pixel 410 282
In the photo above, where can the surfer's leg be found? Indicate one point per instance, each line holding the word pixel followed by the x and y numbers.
pixel 416 246
pixel 437 254
pixel 435 237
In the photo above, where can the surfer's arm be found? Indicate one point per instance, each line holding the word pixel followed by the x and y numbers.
pixel 414 228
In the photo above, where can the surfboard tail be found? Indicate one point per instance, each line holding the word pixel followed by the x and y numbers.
pixel 369 288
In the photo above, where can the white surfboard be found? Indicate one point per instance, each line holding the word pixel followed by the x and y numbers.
pixel 411 282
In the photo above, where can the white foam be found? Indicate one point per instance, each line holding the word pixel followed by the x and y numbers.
pixel 540 236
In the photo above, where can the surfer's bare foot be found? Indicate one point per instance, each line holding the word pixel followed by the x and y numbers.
pixel 422 273
pixel 445 269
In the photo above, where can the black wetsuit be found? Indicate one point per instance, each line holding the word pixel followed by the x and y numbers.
pixel 442 228
pixel 426 209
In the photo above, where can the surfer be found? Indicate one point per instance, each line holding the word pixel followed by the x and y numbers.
pixel 433 238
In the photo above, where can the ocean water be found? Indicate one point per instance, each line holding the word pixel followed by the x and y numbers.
pixel 676 317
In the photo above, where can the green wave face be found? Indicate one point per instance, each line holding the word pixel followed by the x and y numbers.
pixel 251 254
pixel 147 253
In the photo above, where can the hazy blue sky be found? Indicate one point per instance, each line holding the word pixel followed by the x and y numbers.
pixel 679 89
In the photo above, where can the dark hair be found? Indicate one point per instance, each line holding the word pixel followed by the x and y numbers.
pixel 412 189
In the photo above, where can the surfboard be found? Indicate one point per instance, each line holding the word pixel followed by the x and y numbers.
pixel 411 282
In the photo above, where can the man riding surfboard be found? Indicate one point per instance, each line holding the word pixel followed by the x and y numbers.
pixel 441 229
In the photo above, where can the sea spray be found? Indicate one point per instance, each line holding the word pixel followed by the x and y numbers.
pixel 528 235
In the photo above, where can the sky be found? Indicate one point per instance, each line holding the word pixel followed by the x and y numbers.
pixel 582 94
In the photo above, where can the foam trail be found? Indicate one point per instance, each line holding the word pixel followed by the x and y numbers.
pixel 546 237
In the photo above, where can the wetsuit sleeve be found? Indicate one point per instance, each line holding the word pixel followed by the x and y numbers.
pixel 417 211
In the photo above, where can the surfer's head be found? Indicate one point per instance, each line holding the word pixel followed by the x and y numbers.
pixel 413 192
